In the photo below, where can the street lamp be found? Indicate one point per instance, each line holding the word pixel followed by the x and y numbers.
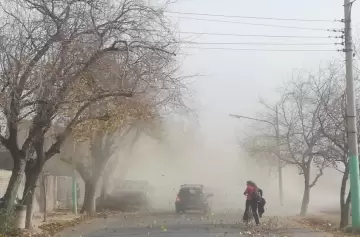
pixel 276 128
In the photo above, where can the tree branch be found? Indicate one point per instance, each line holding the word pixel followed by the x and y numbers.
pixel 316 178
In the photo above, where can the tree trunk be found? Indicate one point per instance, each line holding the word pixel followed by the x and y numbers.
pixel 44 184
pixel 86 197
pixel 344 202
pixel 105 187
pixel 84 175
pixel 306 196
pixel 345 212
pixel 89 206
pixel 32 173
pixel 14 182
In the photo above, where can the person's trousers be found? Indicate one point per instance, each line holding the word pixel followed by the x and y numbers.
pixel 261 207
pixel 254 207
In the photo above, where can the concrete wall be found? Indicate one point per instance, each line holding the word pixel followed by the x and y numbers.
pixel 58 191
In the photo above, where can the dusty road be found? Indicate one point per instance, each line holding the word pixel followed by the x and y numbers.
pixel 187 225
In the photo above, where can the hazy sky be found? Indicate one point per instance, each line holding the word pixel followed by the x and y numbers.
pixel 233 81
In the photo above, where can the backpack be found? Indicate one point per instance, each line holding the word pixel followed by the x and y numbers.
pixel 256 195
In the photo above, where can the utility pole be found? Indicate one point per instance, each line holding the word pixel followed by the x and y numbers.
pixel 351 120
pixel 281 193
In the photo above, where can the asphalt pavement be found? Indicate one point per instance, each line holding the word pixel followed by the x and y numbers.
pixel 185 225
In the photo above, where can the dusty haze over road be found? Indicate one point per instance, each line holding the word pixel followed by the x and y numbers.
pixel 188 156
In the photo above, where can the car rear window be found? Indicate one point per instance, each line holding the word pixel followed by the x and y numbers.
pixel 189 191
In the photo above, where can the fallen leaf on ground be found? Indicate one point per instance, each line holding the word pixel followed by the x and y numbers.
pixel 50 229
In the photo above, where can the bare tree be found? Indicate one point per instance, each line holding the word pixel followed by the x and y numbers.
pixel 261 147
pixel 328 93
pixel 128 141
pixel 333 127
pixel 101 150
pixel 100 133
pixel 301 141
pixel 113 163
pixel 332 119
pixel 47 49
pixel 305 145
pixel 91 167
pixel 102 144
pixel 113 117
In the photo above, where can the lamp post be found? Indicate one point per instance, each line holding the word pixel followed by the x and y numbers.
pixel 276 127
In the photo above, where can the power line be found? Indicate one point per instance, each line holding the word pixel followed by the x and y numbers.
pixel 259 24
pixel 249 35
pixel 257 43
pixel 258 35
pixel 241 43
pixel 250 17
pixel 270 50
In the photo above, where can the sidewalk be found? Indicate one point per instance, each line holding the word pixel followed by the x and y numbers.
pixel 290 227
pixel 57 222
pixel 301 232
pixel 57 216
pixel 328 223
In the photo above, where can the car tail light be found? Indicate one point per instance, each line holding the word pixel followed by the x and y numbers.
pixel 177 199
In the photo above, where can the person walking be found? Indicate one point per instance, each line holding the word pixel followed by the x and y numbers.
pixel 252 197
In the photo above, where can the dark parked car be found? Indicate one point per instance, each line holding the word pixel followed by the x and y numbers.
pixel 192 197
pixel 130 195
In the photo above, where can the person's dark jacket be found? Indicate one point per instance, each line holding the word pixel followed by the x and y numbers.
pixel 262 201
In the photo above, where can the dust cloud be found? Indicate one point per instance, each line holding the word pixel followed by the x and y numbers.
pixel 188 157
